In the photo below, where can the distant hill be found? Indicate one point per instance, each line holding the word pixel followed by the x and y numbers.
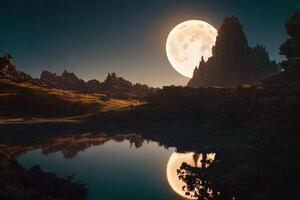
pixel 233 61
pixel 27 100
pixel 112 86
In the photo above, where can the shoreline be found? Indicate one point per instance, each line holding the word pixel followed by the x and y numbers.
pixel 19 183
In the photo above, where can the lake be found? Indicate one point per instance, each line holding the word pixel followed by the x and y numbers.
pixel 121 167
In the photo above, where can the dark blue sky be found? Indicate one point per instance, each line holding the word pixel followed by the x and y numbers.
pixel 94 37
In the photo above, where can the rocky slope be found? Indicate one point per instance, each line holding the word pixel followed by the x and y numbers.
pixel 233 61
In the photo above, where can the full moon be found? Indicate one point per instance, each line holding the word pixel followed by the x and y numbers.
pixel 187 43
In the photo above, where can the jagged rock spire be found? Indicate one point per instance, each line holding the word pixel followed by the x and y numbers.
pixel 293 26
pixel 233 61
pixel 231 38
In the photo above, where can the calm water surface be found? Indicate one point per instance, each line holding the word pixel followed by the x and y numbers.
pixel 116 170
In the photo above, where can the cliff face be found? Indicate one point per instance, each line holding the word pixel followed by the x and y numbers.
pixel 233 61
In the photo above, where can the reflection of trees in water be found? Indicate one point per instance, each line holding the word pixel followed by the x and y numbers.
pixel 68 145
pixel 135 139
pixel 12 151
pixel 196 184
pixel 71 145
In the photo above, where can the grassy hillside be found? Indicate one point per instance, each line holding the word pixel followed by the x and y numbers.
pixel 24 100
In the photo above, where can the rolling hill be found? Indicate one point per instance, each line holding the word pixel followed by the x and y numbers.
pixel 25 101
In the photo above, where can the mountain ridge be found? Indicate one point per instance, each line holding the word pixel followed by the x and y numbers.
pixel 112 86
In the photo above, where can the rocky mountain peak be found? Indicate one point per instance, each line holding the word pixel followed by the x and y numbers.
pixel 8 71
pixel 5 60
pixel 231 38
pixel 113 86
pixel 93 82
pixel 231 25
pixel 69 76
pixel 293 26
pixel 51 79
pixel 6 66
pixel 113 81
pixel 112 76
pixel 233 61
pixel 48 75
pixel 67 80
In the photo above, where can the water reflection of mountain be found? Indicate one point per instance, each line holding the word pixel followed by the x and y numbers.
pixel 68 145
pixel 239 169
pixel 185 173
pixel 71 145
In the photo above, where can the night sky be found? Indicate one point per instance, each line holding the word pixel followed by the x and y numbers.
pixel 94 37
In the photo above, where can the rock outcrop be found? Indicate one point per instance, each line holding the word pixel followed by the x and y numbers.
pixel 291 48
pixel 112 86
pixel 67 81
pixel 9 72
pixel 233 61
pixel 119 87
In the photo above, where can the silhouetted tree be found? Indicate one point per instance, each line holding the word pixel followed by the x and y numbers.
pixel 196 185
